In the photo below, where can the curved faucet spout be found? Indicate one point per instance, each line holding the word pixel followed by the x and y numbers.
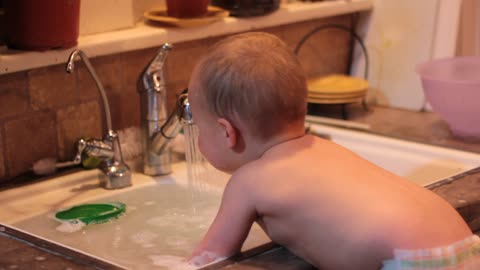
pixel 70 67
pixel 116 172
pixel 152 77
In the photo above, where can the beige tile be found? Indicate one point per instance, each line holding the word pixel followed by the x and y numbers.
pixel 125 110
pixel 2 159
pixel 16 80
pixel 110 71
pixel 28 140
pixel 51 87
pixel 14 98
pixel 75 122
pixel 183 58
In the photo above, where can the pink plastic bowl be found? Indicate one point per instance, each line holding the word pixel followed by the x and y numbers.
pixel 452 86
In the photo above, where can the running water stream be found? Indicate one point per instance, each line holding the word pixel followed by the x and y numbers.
pixel 201 174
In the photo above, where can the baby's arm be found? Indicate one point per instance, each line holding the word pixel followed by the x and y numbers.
pixel 230 227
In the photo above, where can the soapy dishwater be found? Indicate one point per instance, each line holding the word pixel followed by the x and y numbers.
pixel 144 238
pixel 172 226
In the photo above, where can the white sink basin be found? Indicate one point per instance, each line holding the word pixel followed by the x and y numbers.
pixel 420 163
pixel 165 217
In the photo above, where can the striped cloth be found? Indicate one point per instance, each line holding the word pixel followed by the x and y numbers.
pixel 464 254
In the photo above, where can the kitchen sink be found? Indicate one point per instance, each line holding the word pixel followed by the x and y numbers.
pixel 166 216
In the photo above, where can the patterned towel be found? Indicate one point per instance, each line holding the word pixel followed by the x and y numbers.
pixel 464 254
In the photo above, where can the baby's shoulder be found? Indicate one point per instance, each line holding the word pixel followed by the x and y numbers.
pixel 249 176
pixel 247 171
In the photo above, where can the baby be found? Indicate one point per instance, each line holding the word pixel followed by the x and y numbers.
pixel 321 201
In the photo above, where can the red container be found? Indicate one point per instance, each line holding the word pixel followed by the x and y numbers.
pixel 41 24
pixel 187 8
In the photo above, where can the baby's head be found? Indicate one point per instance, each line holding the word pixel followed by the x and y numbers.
pixel 254 81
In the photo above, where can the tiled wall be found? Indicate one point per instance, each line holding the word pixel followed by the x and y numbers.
pixel 44 111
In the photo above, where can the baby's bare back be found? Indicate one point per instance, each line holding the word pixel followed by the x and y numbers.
pixel 338 211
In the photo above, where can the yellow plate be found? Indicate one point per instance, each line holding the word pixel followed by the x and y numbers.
pixel 159 15
pixel 333 100
pixel 337 84
pixel 339 95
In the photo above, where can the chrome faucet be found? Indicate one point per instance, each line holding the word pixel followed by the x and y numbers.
pixel 116 173
pixel 157 129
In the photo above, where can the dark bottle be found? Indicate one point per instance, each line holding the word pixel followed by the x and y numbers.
pixel 248 8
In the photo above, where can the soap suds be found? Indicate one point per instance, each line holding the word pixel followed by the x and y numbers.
pixel 205 258
pixel 179 242
pixel 143 237
pixel 70 227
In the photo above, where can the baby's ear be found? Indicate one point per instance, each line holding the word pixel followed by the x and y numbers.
pixel 230 133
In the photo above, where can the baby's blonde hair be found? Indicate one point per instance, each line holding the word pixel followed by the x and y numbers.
pixel 255 78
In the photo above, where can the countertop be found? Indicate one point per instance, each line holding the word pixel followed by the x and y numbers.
pixel 463 192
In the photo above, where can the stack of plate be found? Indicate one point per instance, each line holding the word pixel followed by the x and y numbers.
pixel 159 15
pixel 336 89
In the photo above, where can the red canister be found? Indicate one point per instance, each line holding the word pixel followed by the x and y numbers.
pixel 41 25
pixel 187 8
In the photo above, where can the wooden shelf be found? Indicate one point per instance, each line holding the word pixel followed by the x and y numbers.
pixel 146 36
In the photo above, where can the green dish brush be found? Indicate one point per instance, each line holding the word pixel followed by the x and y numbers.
pixel 91 213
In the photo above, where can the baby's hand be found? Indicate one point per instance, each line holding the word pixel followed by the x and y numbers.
pixel 204 258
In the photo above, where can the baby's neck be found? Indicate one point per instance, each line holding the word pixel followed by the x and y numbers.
pixel 259 149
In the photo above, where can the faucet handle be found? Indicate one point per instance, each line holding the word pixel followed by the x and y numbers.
pixel 159 60
pixel 81 144
pixel 117 173
pixel 152 77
